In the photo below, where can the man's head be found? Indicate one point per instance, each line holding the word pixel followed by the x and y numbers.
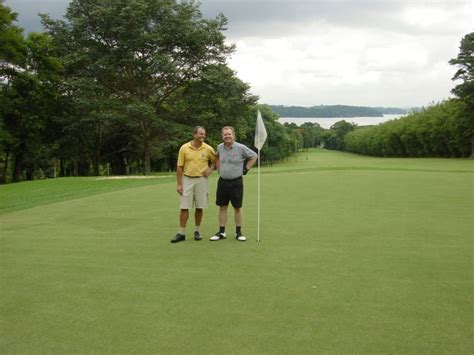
pixel 228 135
pixel 199 134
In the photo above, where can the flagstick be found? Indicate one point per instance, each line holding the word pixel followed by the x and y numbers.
pixel 258 199
pixel 260 137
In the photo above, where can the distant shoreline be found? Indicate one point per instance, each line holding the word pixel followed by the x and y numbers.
pixel 327 122
pixel 336 111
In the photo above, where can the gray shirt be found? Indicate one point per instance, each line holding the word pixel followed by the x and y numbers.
pixel 232 159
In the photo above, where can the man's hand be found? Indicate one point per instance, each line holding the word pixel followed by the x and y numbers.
pixel 179 189
pixel 246 170
pixel 207 172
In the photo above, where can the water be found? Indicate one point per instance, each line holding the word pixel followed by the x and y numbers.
pixel 327 122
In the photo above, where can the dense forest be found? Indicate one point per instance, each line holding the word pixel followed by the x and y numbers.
pixel 117 87
pixel 336 111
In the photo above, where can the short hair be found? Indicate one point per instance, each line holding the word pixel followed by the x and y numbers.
pixel 228 127
pixel 196 129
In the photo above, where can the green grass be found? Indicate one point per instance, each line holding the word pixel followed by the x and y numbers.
pixel 358 255
pixel 35 193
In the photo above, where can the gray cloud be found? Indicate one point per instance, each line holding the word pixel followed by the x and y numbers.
pixel 28 11
pixel 277 17
pixel 368 52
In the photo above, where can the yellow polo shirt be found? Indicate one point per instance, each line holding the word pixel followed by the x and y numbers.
pixel 195 161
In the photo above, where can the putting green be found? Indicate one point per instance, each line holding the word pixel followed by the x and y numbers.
pixel 357 255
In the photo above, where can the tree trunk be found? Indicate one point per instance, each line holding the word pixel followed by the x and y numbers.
pixel 146 162
pixel 75 168
pixel 472 145
pixel 146 131
pixel 96 163
pixel 18 166
pixel 97 151
pixel 3 179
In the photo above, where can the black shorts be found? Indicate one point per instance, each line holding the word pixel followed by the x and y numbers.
pixel 230 190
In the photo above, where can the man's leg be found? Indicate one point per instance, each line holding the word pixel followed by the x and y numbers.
pixel 222 216
pixel 183 219
pixel 197 223
pixel 198 216
pixel 222 222
pixel 238 216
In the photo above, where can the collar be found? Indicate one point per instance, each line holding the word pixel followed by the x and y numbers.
pixel 192 147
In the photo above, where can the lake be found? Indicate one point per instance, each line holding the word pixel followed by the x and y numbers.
pixel 327 122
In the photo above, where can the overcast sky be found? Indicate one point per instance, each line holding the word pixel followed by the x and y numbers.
pixel 312 52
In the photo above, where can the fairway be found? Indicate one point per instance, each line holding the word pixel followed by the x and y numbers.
pixel 357 255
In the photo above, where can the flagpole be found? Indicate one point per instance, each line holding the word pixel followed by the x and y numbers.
pixel 258 199
pixel 260 137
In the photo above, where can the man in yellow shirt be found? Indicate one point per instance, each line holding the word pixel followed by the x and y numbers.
pixel 196 161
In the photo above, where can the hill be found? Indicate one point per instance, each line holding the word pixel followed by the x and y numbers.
pixel 335 111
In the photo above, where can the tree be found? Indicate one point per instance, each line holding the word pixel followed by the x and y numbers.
pixel 29 76
pixel 282 141
pixel 12 55
pixel 12 46
pixel 465 90
pixel 311 134
pixel 339 130
pixel 30 101
pixel 141 52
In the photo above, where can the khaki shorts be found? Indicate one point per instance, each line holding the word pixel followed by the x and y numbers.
pixel 195 192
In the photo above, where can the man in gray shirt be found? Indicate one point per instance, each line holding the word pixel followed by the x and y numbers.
pixel 233 161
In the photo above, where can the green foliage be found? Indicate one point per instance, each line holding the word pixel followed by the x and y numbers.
pixel 30 101
pixel 12 47
pixel 218 98
pixel 334 139
pixel 442 130
pixel 312 134
pixel 129 81
pixel 465 62
pixel 465 90
pixel 282 141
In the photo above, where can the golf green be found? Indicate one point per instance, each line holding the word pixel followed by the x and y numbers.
pixel 357 255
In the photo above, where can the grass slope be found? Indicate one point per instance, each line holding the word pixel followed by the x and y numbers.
pixel 29 194
pixel 358 255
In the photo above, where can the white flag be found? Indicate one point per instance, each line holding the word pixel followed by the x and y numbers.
pixel 260 132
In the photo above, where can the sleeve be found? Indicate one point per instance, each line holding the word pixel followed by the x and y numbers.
pixel 212 154
pixel 248 153
pixel 181 157
pixel 218 149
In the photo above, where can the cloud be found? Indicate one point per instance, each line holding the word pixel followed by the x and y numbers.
pixel 392 53
pixel 308 52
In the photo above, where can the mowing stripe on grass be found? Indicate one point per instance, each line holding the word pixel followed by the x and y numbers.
pixel 351 261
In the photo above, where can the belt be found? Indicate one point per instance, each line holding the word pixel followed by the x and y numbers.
pixel 237 178
pixel 192 177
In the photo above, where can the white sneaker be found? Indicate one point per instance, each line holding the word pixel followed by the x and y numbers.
pixel 218 236
pixel 241 238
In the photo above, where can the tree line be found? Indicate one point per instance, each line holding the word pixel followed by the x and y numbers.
pixel 444 129
pixel 336 111
pixel 118 86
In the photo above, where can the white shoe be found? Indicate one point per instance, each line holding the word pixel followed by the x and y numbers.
pixel 241 238
pixel 218 236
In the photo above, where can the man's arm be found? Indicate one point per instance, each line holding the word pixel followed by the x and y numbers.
pixel 179 179
pixel 251 162
pixel 251 158
pixel 213 165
